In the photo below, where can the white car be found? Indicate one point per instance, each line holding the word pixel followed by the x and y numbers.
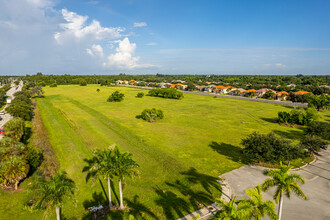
pixel 2 112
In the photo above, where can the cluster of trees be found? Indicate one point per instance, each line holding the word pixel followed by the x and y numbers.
pixel 16 158
pixel 299 117
pixel 276 82
pixel 104 164
pixel 320 129
pixel 269 95
pixel 255 207
pixel 319 102
pixel 21 106
pixel 152 115
pixel 269 148
pixel 82 82
pixel 116 97
pixel 166 93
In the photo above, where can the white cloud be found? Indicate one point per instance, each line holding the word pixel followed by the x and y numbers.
pixel 124 58
pixel 76 29
pixel 151 44
pixel 140 24
pixel 95 51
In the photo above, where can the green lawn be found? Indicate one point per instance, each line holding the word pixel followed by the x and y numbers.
pixel 179 156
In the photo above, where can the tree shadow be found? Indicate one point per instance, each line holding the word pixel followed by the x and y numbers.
pixel 138 210
pixel 27 134
pixel 196 198
pixel 271 120
pixel 206 181
pixel 292 134
pixel 230 151
pixel 171 203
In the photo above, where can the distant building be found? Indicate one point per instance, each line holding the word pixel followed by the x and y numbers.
pixel 9 100
pixel 281 95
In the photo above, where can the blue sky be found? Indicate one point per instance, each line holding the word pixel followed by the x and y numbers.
pixel 170 37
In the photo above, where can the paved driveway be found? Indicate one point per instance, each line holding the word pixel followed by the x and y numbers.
pixel 317 188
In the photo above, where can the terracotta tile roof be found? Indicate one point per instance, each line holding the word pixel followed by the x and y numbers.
pixel 282 92
pixel 249 90
pixel 301 92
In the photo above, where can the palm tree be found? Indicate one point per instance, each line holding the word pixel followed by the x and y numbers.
pixel 259 207
pixel 233 210
pixel 101 165
pixel 53 192
pixel 285 183
pixel 124 166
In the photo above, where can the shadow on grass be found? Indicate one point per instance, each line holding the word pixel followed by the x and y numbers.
pixel 271 120
pixel 138 210
pixel 171 203
pixel 206 181
pixel 196 198
pixel 292 134
pixel 228 150
pixel 174 206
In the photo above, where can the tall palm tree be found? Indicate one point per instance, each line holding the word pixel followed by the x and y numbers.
pixel 259 207
pixel 52 193
pixel 233 210
pixel 285 182
pixel 101 164
pixel 124 166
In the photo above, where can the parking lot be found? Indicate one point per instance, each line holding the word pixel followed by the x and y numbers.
pixel 316 187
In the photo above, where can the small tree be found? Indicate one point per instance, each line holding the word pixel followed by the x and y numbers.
pixel 313 144
pixel 116 97
pixel 82 82
pixel 151 115
pixel 140 95
pixel 52 193
pixel 319 128
pixel 36 90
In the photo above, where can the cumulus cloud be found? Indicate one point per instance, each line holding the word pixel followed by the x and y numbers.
pixel 95 51
pixel 35 36
pixel 140 24
pixel 75 28
pixel 124 57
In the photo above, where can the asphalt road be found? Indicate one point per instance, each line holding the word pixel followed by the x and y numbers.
pixel 10 93
pixel 316 187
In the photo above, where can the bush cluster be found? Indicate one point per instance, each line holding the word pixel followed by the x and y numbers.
pixel 303 117
pixel 53 85
pixel 82 82
pixel 166 93
pixel 116 97
pixel 140 95
pixel 318 128
pixel 151 115
pixel 269 148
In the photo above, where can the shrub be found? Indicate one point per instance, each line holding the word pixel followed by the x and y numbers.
pixel 269 148
pixel 20 109
pixel 82 82
pixel 97 90
pixel 312 144
pixel 151 115
pixel 53 85
pixel 304 117
pixel 166 93
pixel 318 128
pixel 140 95
pixel 116 97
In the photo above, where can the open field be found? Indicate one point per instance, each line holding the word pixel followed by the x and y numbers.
pixel 179 156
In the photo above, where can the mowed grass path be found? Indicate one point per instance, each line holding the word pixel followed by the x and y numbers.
pixel 178 166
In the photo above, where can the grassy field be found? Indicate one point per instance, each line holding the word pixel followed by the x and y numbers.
pixel 180 156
